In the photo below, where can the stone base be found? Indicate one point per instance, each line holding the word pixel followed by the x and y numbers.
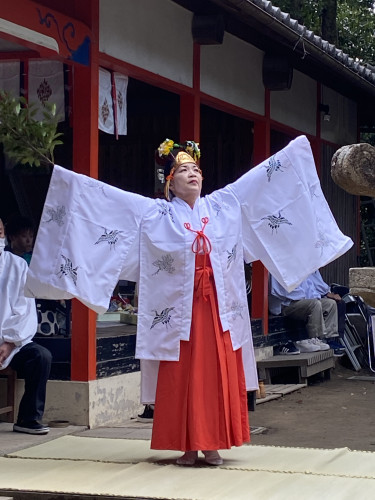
pixel 102 402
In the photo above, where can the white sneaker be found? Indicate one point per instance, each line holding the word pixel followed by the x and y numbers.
pixel 307 345
pixel 322 345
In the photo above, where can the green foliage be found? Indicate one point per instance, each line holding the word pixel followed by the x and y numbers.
pixel 355 23
pixel 26 140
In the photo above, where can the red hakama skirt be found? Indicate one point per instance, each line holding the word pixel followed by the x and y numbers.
pixel 201 400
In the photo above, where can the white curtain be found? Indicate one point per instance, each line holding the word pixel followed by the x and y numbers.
pixel 46 85
pixel 106 118
pixel 10 77
pixel 112 116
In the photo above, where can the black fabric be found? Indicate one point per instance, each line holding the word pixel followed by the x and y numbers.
pixel 33 363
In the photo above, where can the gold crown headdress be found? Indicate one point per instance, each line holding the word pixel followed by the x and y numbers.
pixel 171 155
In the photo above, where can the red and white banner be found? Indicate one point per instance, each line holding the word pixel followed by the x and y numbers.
pixel 46 84
pixel 10 78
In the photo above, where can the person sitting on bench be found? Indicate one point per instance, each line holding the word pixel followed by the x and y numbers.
pixel 313 303
pixel 18 324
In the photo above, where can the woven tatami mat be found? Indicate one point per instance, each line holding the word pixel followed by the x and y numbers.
pixel 73 464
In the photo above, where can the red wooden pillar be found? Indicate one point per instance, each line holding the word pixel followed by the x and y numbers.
pixel 262 148
pixel 190 104
pixel 85 161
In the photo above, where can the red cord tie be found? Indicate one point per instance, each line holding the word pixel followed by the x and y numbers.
pixel 201 245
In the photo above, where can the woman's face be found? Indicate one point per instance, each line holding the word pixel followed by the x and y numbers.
pixel 2 232
pixel 187 182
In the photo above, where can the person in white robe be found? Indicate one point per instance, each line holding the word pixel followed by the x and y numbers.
pixel 18 325
pixel 91 235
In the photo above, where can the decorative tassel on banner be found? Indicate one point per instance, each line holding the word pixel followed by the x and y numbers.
pixel 114 97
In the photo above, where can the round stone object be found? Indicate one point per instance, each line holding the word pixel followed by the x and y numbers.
pixel 353 169
pixel 362 282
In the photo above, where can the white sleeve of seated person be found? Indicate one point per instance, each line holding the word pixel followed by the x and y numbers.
pixel 18 317
pixel 287 223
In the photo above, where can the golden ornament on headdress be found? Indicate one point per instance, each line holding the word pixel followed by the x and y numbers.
pixel 181 158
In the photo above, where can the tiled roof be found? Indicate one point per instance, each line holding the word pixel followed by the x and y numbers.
pixel 365 71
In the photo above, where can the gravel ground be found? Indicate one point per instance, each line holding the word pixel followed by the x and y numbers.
pixel 333 413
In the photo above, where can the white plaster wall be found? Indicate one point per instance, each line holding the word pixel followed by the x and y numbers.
pixel 153 35
pixel 296 107
pixel 232 72
pixel 342 127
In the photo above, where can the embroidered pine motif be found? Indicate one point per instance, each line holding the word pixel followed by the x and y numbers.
pixel 57 215
pixel 164 264
pixel 231 256
pixel 111 237
pixel 93 184
pixel 322 242
pixel 312 192
pixel 44 92
pixel 236 309
pixel 105 110
pixel 67 269
pixel 275 221
pixel 164 317
pixel 165 210
pixel 273 166
pixel 216 207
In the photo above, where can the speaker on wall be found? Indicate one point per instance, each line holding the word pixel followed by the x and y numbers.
pixel 208 29
pixel 277 72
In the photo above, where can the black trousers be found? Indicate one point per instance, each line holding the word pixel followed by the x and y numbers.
pixel 33 363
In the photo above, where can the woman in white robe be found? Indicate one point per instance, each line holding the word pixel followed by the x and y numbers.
pixel 91 235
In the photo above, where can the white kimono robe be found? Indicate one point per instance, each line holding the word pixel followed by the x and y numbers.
pixel 18 317
pixel 91 235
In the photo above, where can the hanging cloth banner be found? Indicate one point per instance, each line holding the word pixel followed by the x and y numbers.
pixel 121 86
pixel 10 78
pixel 106 118
pixel 46 84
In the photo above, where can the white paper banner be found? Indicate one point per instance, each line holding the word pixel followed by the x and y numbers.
pixel 10 78
pixel 106 119
pixel 46 84
pixel 121 83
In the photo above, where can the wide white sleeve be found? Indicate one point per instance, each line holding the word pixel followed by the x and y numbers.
pixel 286 220
pixel 87 237
pixel 18 313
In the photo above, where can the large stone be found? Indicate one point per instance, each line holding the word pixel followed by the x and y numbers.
pixel 353 169
pixel 362 282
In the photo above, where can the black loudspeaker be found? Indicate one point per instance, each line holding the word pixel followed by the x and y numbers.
pixel 277 72
pixel 208 29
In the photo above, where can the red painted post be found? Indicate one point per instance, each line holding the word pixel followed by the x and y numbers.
pixel 190 104
pixel 85 161
pixel 259 296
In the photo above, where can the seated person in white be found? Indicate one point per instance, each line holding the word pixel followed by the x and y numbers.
pixel 313 303
pixel 18 324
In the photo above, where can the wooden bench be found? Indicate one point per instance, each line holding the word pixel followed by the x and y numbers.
pixel 304 365
pixel 9 409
